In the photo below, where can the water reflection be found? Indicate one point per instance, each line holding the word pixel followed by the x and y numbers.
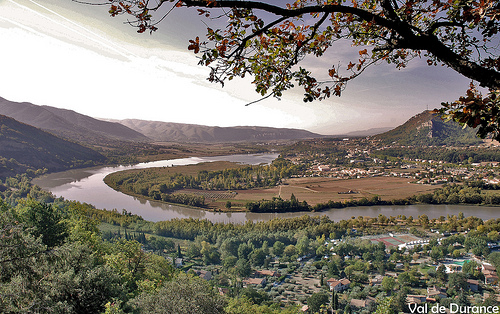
pixel 87 185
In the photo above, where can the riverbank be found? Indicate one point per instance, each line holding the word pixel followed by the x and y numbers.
pixel 87 186
pixel 219 186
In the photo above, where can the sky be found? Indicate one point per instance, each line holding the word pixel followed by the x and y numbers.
pixel 68 55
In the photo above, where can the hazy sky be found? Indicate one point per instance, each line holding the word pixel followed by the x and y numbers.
pixel 68 55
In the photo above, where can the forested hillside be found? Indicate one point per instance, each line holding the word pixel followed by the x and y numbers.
pixel 429 129
pixel 69 124
pixel 23 147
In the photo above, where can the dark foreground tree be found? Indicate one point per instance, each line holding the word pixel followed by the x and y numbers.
pixel 36 277
pixel 183 294
pixel 269 40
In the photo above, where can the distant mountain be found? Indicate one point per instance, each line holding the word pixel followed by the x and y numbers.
pixel 179 132
pixel 68 124
pixel 369 132
pixel 25 147
pixel 427 129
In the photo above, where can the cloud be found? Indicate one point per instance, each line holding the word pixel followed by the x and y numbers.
pixel 74 56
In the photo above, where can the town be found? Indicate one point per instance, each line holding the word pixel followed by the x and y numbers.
pixel 355 273
pixel 362 158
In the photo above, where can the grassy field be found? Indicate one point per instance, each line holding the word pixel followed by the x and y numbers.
pixel 321 190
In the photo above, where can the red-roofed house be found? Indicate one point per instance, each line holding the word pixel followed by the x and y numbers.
pixel 490 274
pixel 265 273
pixel 338 285
pixel 254 282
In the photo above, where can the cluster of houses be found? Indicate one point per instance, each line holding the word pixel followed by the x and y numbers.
pixel 423 171
pixel 490 273
pixel 434 293
pixel 433 174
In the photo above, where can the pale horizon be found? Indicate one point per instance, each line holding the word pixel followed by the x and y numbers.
pixel 72 56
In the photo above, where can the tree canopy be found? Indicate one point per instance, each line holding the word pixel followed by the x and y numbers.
pixel 269 41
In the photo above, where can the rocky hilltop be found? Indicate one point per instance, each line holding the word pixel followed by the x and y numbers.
pixel 427 129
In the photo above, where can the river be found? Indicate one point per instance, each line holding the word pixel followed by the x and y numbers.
pixel 87 186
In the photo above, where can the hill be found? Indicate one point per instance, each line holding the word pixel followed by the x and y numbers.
pixel 428 129
pixel 180 132
pixel 69 124
pixel 24 147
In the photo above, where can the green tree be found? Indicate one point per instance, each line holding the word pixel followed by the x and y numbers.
pixel 471 269
pixel 399 300
pixel 477 244
pixel 209 253
pixel 424 221
pixel 46 221
pixel 494 235
pixel 457 282
pixel 193 250
pixel 268 41
pixel 388 283
pixel 243 268
pixel 67 278
pixel 257 257
pixel 316 300
pixel 404 279
pixel 242 305
pixel 384 307
pixel 348 309
pixel 183 294
pixel 441 273
pixel 256 297
pixel 335 300
pixel 289 251
pixel 229 261
pixel 349 271
pixel 130 261
pixel 278 248
pixel 244 250
pixel 265 247
pixel 179 253
pixel 321 251
pixel 303 246
pixel 436 253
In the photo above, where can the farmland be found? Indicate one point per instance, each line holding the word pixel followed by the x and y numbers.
pixel 321 190
pixel 313 190
pixel 322 174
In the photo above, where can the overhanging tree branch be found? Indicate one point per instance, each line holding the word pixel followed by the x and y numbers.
pixel 462 36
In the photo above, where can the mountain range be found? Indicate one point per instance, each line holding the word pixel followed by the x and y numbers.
pixel 75 126
pixel 69 124
pixel 167 131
